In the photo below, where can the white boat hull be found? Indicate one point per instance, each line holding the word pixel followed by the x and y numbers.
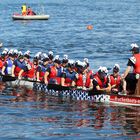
pixel 31 17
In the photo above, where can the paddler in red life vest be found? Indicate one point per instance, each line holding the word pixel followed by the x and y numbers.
pixel 54 72
pixel 18 65
pixel 130 79
pixel 3 58
pixel 41 69
pixel 29 69
pixel 83 78
pixel 115 80
pixel 68 77
pixel 101 82
pixel 7 67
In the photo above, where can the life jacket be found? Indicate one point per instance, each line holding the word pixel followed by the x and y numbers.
pixel 69 78
pixel 19 66
pixel 102 84
pixel 31 72
pixel 88 79
pixel 137 64
pixel 54 75
pixel 24 9
pixel 115 81
pixel 83 80
pixel 29 12
pixel 8 69
pixel 42 72
pixel 1 64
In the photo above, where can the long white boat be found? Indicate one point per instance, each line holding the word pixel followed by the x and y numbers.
pixel 75 94
pixel 30 17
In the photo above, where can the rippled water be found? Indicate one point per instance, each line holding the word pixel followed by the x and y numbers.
pixel 28 115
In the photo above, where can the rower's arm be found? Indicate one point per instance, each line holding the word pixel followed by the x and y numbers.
pixel 37 76
pixel 46 77
pixel 62 81
pixel 3 69
pixel 13 68
pixel 20 74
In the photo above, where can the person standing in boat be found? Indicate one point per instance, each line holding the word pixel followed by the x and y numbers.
pixel 54 72
pixel 101 81
pixel 115 79
pixel 7 66
pixel 130 79
pixel 24 10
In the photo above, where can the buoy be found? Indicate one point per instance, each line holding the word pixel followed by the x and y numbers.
pixel 89 27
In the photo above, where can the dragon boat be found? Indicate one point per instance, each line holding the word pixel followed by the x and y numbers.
pixel 71 93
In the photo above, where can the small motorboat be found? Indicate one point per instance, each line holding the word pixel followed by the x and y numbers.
pixel 30 17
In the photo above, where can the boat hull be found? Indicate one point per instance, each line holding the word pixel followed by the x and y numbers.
pixel 75 94
pixel 30 17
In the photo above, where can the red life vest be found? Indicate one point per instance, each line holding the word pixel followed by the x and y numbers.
pixel 115 81
pixel 53 75
pixel 137 64
pixel 1 64
pixel 29 12
pixel 80 80
pixel 30 73
pixel 100 83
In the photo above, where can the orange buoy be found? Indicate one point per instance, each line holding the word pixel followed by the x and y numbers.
pixel 89 27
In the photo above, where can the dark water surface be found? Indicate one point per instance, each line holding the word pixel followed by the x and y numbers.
pixel 116 24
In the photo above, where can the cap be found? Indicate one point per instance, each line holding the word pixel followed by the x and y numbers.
pixel 71 63
pixel 46 59
pixel 116 68
pixel 65 59
pixel 50 55
pixel 103 71
pixel 134 47
pixel 57 59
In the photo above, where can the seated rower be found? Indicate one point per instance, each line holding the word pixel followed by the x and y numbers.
pixel 29 69
pixel 115 80
pixel 41 69
pixel 54 72
pixel 83 76
pixel 18 65
pixel 7 66
pixel 69 75
pixel 64 61
pixel 101 82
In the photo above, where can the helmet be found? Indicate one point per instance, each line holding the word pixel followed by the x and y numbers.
pixel 116 68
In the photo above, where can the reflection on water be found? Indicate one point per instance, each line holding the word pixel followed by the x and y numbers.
pixel 33 114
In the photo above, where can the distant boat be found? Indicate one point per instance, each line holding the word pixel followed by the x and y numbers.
pixel 30 17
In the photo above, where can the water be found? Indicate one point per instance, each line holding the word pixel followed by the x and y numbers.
pixel 115 27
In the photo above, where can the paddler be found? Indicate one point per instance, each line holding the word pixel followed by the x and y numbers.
pixel 68 77
pixel 54 72
pixel 130 79
pixel 7 66
pixel 24 10
pixel 101 82
pixel 115 80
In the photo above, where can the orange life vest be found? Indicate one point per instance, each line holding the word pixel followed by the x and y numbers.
pixel 115 81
